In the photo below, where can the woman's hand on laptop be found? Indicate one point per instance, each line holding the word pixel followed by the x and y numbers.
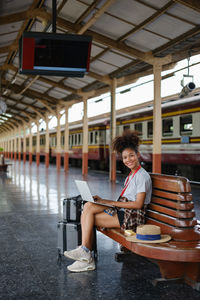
pixel 100 200
pixel 97 198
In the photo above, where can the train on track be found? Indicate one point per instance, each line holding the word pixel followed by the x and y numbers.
pixel 180 137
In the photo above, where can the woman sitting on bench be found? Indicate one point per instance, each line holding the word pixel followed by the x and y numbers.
pixel 128 211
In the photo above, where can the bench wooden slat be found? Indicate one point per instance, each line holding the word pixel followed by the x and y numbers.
pixel 173 204
pixel 171 183
pixel 170 220
pixel 172 196
pixel 182 214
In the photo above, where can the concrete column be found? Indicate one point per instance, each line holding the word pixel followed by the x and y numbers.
pixel 157 121
pixel 24 145
pixel 11 146
pixel 66 145
pixel 15 144
pixel 19 144
pixel 112 154
pixel 8 147
pixel 85 139
pixel 30 145
pixel 38 144
pixel 47 142
pixel 5 147
pixel 58 146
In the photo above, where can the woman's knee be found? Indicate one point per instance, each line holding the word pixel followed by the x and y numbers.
pixel 87 207
pixel 92 208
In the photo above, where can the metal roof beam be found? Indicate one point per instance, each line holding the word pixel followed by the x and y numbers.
pixel 93 19
pixel 148 20
pixel 193 4
pixel 121 46
pixel 33 94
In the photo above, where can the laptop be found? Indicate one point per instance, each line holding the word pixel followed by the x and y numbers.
pixel 86 194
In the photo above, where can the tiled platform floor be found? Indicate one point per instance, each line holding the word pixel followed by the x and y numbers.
pixel 30 206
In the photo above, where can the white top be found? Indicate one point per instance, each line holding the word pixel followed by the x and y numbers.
pixel 141 182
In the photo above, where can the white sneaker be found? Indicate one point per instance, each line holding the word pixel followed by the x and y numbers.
pixel 82 266
pixel 79 254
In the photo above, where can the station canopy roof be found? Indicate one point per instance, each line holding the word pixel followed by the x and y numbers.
pixel 128 35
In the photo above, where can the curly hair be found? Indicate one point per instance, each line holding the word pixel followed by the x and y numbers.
pixel 129 139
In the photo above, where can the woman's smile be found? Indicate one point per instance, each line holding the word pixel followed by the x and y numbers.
pixel 130 159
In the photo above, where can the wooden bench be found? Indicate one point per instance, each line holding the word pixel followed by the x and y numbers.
pixel 172 209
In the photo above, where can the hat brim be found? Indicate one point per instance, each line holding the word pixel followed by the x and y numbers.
pixel 164 238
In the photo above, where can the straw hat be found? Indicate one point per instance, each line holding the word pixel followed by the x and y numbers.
pixel 149 234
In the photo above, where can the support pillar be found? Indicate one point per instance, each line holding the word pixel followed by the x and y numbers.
pixel 15 145
pixel 66 145
pixel 38 144
pixel 24 145
pixel 58 147
pixel 85 139
pixel 47 148
pixel 19 144
pixel 30 145
pixel 8 148
pixel 157 121
pixel 11 148
pixel 112 154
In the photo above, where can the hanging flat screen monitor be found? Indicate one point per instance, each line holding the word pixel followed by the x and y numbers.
pixel 54 54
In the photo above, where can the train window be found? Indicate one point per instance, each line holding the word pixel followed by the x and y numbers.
pixel 72 139
pixel 126 127
pixel 167 127
pixel 79 139
pixel 62 140
pixel 34 141
pixel 186 126
pixel 70 142
pixel 138 128
pixel 42 141
pixel 54 141
pixel 101 137
pixel 96 139
pixel 150 129
pixel 75 139
pixel 91 137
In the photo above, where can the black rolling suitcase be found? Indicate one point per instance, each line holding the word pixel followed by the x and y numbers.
pixel 72 208
pixel 69 229
pixel 69 236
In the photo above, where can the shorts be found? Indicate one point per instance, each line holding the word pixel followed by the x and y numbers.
pixel 120 214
